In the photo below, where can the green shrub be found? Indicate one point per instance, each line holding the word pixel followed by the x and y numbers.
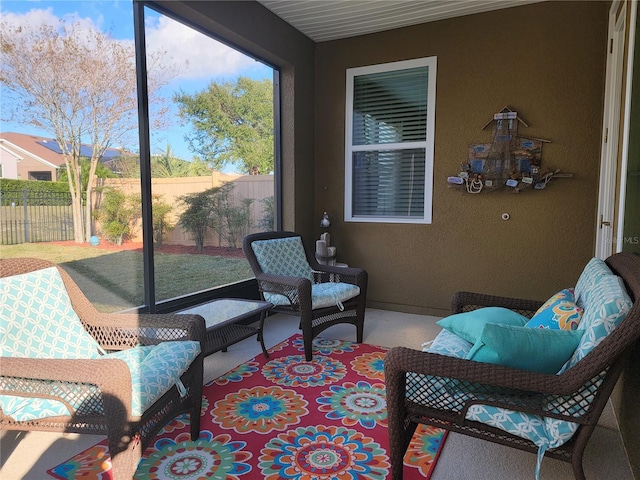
pixel 216 209
pixel 116 215
pixel 195 217
pixel 36 193
pixel 161 223
pixel 268 219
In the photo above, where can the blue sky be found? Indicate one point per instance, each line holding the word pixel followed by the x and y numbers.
pixel 208 59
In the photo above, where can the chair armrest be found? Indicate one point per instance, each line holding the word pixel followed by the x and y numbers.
pixel 111 376
pixel 296 289
pixel 401 360
pixel 466 301
pixel 282 284
pixel 115 331
pixel 330 273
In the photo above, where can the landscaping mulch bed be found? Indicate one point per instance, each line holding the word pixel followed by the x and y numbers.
pixel 228 252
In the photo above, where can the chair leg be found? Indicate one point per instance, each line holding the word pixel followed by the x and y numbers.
pixel 360 309
pixel 196 400
pixel 398 443
pixel 194 420
pixel 306 323
pixel 576 455
pixel 308 348
pixel 124 463
pixel 578 471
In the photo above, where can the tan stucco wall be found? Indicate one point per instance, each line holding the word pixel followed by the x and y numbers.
pixel 546 61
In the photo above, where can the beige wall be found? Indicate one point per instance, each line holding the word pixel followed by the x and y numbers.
pixel 546 61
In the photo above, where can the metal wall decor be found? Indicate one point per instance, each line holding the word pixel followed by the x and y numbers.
pixel 511 162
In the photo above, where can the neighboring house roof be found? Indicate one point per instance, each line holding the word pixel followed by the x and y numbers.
pixel 45 150
pixel 22 145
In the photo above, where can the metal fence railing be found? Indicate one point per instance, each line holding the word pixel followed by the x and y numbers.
pixel 29 217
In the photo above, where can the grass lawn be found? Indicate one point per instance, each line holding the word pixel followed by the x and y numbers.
pixel 113 280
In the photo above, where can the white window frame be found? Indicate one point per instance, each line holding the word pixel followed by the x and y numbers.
pixel 427 144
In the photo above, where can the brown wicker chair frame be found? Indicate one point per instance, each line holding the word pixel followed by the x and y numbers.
pixel 298 291
pixel 104 384
pixel 510 388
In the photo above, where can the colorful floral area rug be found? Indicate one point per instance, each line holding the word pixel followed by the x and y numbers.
pixel 282 418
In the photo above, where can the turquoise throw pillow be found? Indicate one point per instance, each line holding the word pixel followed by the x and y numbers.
pixel 560 312
pixel 536 349
pixel 469 325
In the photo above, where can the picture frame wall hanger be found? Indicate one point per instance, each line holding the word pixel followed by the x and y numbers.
pixel 505 110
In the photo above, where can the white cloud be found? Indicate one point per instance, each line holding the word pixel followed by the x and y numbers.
pixel 206 57
pixel 37 17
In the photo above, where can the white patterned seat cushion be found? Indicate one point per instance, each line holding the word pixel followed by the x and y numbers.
pixel 154 370
pixel 37 319
pixel 283 256
pixel 544 432
pixel 322 295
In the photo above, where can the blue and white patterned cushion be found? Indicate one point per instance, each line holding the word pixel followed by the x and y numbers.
pixel 154 370
pixel 544 432
pixel 594 270
pixel 449 344
pixel 23 409
pixel 604 309
pixel 283 256
pixel 38 321
pixel 322 295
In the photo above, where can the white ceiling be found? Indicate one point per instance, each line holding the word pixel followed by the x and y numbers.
pixel 323 20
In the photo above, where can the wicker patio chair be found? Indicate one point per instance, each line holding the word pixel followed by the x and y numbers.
pixel 580 393
pixel 298 290
pixel 103 387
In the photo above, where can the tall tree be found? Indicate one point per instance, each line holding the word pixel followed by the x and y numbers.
pixel 232 124
pixel 78 84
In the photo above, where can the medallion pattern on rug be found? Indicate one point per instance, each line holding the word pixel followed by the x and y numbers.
pixel 282 418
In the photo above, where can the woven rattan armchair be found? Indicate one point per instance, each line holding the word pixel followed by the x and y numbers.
pixel 103 384
pixel 513 389
pixel 298 291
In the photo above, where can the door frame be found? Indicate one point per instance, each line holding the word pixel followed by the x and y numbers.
pixel 606 216
pixel 626 132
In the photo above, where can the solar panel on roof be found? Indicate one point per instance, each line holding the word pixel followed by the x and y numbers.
pixel 85 150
